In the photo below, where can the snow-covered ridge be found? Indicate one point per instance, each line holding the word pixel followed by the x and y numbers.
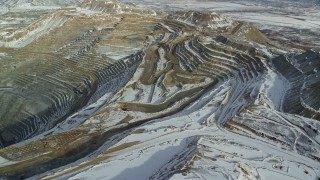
pixel 203 19
pixel 23 37
pixel 114 6
pixel 29 3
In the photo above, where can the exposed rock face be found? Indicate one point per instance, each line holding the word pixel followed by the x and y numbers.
pixel 302 73
pixel 109 90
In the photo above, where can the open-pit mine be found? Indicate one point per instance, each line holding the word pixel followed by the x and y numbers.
pixel 107 89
